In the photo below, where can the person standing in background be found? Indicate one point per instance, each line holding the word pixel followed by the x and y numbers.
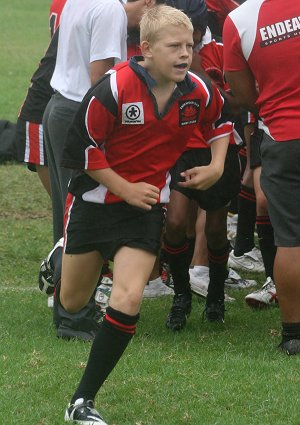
pixel 260 34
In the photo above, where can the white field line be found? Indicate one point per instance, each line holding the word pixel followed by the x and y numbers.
pixel 18 289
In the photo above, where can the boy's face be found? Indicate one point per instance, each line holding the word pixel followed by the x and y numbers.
pixel 171 54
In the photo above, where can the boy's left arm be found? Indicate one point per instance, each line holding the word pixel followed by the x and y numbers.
pixel 206 176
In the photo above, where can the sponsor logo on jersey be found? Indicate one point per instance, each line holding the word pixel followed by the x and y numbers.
pixel 133 113
pixel 280 31
pixel 189 112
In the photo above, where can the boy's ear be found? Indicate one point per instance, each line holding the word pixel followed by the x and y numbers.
pixel 146 49
pixel 150 3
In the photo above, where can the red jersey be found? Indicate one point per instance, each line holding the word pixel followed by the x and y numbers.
pixel 55 12
pixel 211 59
pixel 221 8
pixel 119 126
pixel 264 35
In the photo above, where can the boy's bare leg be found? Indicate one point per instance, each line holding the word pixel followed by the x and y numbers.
pixel 132 269
pixel 43 174
pixel 80 274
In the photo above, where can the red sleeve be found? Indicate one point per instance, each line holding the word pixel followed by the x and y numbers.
pixel 233 57
pixel 215 124
pixel 99 124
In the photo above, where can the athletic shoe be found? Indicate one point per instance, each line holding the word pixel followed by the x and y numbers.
pixel 156 288
pixel 165 275
pixel 290 347
pixel 102 295
pixel 214 312
pixel 232 220
pixel 250 261
pixel 83 412
pixel 46 272
pixel 264 297
pixel 107 279
pixel 180 310
pixel 50 301
pixel 235 281
pixel 199 280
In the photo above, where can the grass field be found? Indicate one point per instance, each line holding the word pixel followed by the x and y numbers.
pixel 206 375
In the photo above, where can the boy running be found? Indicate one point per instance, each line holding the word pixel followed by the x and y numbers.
pixel 129 131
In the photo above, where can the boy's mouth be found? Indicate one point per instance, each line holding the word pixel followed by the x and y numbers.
pixel 181 66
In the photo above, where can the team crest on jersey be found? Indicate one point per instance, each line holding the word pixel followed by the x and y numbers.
pixel 189 112
pixel 133 113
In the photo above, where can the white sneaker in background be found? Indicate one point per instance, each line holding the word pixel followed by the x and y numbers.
pixel 235 281
pixel 263 297
pixel 232 220
pixel 250 261
pixel 156 288
pixel 199 280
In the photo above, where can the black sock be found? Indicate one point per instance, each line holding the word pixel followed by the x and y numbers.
pixel 179 262
pixel 191 248
pixel 246 221
pixel 217 273
pixel 114 335
pixel 266 243
pixel 290 331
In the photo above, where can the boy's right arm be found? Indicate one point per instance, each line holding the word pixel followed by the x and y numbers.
pixel 141 194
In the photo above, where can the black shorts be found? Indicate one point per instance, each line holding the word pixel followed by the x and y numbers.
pixel 255 142
pixel 106 228
pixel 221 193
pixel 30 144
pixel 280 181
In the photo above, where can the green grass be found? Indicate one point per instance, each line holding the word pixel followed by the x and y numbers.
pixel 205 375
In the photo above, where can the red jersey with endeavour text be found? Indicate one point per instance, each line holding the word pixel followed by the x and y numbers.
pixel 118 125
pixel 264 35
pixel 55 12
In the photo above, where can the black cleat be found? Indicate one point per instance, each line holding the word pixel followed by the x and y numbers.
pixel 83 412
pixel 214 312
pixel 290 347
pixel 180 310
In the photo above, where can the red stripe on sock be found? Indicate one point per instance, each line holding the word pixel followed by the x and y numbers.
pixel 130 329
pixel 171 250
pixel 263 220
pixel 247 195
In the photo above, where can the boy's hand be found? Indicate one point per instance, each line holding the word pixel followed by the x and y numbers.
pixel 142 195
pixel 201 177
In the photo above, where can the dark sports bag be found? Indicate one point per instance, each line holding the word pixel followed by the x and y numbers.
pixel 8 151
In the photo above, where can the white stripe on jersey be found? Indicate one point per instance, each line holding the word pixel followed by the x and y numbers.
pixel 96 195
pixel 86 161
pixel 27 143
pixel 41 145
pixel 165 191
pixel 203 85
pixel 245 20
pixel 113 86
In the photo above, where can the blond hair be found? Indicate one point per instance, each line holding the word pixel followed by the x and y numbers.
pixel 158 18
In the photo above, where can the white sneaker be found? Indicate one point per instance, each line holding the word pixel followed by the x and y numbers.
pixel 102 295
pixel 263 297
pixel 250 261
pixel 156 288
pixel 235 281
pixel 199 280
pixel 231 226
